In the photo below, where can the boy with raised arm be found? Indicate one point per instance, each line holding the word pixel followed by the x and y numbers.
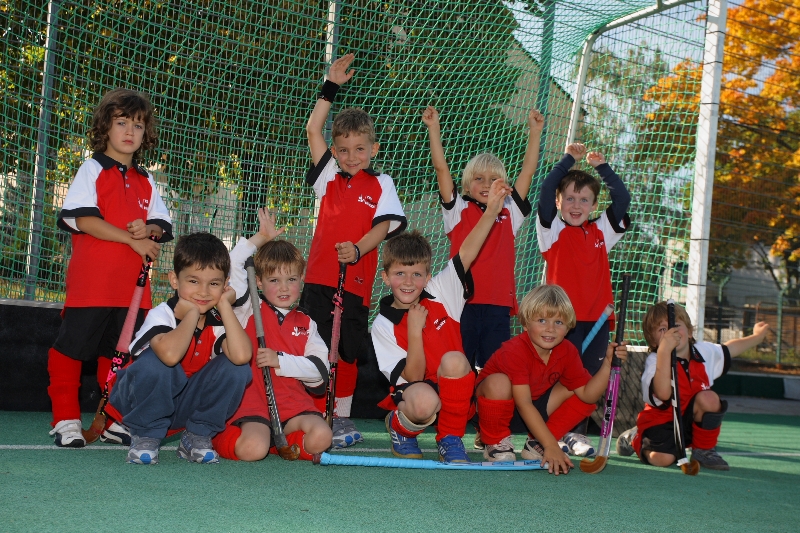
pixel 358 209
pixel 417 339
pixel 486 320
pixel 576 249
pixel 295 354
pixel 192 368
pixel 700 364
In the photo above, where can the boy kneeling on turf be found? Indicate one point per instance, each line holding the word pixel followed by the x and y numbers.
pixel 191 369
pixel 537 382
pixel 417 338
pixel 652 439
pixel 295 354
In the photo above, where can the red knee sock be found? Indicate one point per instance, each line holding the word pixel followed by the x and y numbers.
pixel 704 439
pixel 346 376
pixel 65 380
pixel 495 419
pixel 567 415
pixel 225 442
pixel 401 429
pixel 456 397
pixel 296 437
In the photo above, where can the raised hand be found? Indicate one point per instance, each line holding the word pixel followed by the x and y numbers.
pixel 595 159
pixel 535 120
pixel 338 72
pixel 266 224
pixel 577 151
pixel 430 117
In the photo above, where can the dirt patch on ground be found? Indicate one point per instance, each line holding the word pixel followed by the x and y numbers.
pixel 739 365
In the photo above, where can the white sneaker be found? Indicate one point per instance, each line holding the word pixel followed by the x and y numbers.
pixel 68 434
pixel 116 433
pixel 503 451
pixel 578 445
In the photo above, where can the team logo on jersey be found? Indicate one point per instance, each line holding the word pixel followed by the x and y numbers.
pixel 554 377
pixel 439 323
pixel 300 330
pixel 599 243
pixel 144 203
pixel 501 217
pixel 367 199
pixel 358 280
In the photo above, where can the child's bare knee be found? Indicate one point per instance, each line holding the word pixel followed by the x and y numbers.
pixel 495 387
pixel 249 449
pixel 421 404
pixel 318 439
pixel 660 459
pixel 454 365
pixel 706 401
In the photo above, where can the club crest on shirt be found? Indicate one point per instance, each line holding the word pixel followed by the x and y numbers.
pixel 439 323
pixel 144 203
pixel 554 377
pixel 299 330
pixel 501 217
pixel 367 199
pixel 599 243
pixel 358 280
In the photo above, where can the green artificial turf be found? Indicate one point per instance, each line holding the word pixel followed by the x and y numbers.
pixel 60 490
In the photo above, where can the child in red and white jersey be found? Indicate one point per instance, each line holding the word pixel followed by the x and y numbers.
pixel 358 208
pixel 417 339
pixel 111 209
pixel 700 364
pixel 295 355
pixel 486 319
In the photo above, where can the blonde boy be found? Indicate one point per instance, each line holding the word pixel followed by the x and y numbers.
pixel 537 383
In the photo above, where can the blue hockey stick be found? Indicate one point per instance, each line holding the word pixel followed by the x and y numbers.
pixel 597 325
pixel 424 464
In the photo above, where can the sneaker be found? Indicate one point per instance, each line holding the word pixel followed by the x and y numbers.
pixel 345 433
pixel 504 451
pixel 478 444
pixel 533 451
pixel 709 459
pixel 68 434
pixel 116 434
pixel 624 441
pixel 197 448
pixel 578 445
pixel 451 450
pixel 403 447
pixel 143 450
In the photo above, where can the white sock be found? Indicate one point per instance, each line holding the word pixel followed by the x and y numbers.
pixel 342 407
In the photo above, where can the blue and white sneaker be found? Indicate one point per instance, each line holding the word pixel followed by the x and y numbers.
pixel 578 445
pixel 451 450
pixel 116 433
pixel 143 450
pixel 403 447
pixel 68 434
pixel 197 448
pixel 345 433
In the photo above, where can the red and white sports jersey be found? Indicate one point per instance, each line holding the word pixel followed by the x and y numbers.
pixel 493 268
pixel 304 365
pixel 304 358
pixel 577 260
pixel 518 359
pixel 444 298
pixel 206 342
pixel 103 273
pixel 707 362
pixel 349 208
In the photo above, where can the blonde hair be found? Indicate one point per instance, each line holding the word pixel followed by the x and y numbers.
pixel 277 255
pixel 485 162
pixel 657 314
pixel 547 301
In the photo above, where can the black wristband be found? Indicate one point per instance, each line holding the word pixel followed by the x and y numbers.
pixel 328 91
pixel 358 255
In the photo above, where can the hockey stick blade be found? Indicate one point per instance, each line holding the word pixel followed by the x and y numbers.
pixel 690 467
pixel 593 466
pixel 422 464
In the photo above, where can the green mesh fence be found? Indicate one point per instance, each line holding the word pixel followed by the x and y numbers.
pixel 234 82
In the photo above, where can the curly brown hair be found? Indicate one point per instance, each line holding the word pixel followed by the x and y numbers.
pixel 122 103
